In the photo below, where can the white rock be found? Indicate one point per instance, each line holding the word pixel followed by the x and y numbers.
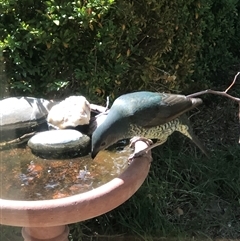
pixel 73 111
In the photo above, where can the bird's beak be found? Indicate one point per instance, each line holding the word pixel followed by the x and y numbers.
pixel 93 154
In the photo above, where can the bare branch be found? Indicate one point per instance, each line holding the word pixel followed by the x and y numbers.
pixel 17 141
pixel 97 108
pixel 222 93
pixel 234 80
pixel 215 92
pixel 239 119
pixel 107 104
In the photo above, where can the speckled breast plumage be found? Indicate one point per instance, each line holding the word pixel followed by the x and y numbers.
pixel 160 132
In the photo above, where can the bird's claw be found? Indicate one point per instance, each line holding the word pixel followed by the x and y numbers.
pixel 139 153
pixel 137 138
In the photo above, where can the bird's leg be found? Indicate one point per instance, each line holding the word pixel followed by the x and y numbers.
pixel 139 153
pixel 143 152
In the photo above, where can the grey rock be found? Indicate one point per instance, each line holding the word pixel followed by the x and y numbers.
pixel 22 115
pixel 60 144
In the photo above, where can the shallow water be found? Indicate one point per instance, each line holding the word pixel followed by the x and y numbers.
pixel 25 176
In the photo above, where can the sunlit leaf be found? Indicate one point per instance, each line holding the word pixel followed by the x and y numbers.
pixel 57 22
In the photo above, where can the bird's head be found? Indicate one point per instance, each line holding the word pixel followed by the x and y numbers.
pixel 100 141
pixel 107 134
pixel 114 128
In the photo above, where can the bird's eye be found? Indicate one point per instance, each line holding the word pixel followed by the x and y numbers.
pixel 103 143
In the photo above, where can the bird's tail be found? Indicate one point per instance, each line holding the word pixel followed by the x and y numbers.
pixel 186 129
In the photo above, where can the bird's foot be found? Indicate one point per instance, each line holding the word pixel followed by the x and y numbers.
pixel 145 151
pixel 138 138
pixel 142 152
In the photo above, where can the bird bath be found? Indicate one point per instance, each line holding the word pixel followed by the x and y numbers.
pixel 43 196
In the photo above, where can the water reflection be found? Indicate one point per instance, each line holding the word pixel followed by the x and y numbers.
pixel 25 176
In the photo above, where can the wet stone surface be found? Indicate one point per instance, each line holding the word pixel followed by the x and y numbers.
pixel 22 115
pixel 25 176
pixel 60 144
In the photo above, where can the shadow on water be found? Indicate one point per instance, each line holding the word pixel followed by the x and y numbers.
pixel 25 176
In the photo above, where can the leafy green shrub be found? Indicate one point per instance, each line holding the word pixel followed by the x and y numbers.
pixel 110 47
pixel 219 57
pixel 45 41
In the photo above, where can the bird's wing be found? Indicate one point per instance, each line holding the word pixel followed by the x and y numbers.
pixel 163 109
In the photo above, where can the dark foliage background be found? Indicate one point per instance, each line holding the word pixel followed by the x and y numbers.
pixel 106 47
